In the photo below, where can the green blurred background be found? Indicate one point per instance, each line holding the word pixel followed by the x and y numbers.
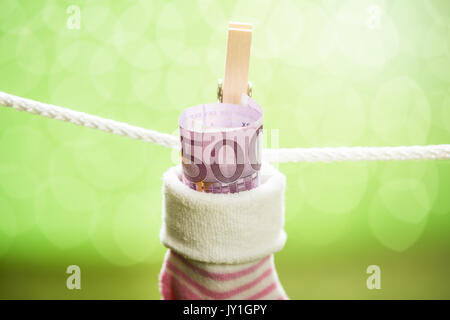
pixel 327 73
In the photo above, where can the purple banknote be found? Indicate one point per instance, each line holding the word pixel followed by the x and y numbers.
pixel 221 146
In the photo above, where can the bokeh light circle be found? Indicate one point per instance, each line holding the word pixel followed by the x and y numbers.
pixel 403 202
pixel 95 19
pixel 400 113
pixel 364 37
pixel 131 24
pixel 435 50
pixel 145 84
pixel 183 85
pixel 147 57
pixel 7 40
pixel 7 226
pixel 18 182
pixel 64 207
pixel 392 232
pixel 116 164
pixel 436 42
pixel 439 10
pixel 256 13
pixel 342 185
pixel 277 36
pixel 394 193
pixel 30 54
pixel 331 114
pixel 136 225
pixel 26 147
pixel 446 112
pixel 102 233
pixel 22 168
pixel 54 15
pixel 441 204
pixel 9 7
pixel 76 56
pixel 75 92
pixel 102 61
pixel 170 31
pixel 316 42
pixel 439 68
pixel 219 18
pixel 313 227
pixel 423 171
pixel 73 194
pixel 412 23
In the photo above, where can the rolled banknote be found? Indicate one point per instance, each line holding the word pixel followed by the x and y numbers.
pixel 221 146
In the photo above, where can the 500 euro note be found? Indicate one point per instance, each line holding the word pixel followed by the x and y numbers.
pixel 221 146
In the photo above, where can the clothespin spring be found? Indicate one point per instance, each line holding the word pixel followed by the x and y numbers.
pixel 220 90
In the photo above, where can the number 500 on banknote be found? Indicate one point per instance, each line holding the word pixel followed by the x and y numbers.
pixel 221 146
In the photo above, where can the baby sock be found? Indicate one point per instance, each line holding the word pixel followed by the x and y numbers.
pixel 221 245
pixel 184 279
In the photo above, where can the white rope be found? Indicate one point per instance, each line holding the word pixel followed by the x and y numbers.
pixel 87 120
pixel 436 152
pixel 432 152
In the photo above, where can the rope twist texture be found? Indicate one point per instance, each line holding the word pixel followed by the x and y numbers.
pixel 431 152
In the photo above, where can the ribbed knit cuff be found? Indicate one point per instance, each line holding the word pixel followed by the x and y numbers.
pixel 224 228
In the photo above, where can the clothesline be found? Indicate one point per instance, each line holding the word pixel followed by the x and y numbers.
pixel 429 152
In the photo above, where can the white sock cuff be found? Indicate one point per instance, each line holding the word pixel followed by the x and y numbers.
pixel 224 228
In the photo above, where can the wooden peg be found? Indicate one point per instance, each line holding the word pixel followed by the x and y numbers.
pixel 237 61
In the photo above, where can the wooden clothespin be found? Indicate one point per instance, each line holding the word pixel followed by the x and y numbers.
pixel 237 62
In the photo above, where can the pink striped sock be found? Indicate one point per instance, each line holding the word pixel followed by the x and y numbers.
pixel 185 279
pixel 216 241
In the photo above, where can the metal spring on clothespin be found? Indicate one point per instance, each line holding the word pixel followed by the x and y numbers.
pixel 220 90
pixel 237 64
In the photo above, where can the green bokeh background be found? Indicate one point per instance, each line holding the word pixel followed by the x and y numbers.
pixel 327 73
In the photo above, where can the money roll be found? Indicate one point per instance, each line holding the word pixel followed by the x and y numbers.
pixel 221 146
